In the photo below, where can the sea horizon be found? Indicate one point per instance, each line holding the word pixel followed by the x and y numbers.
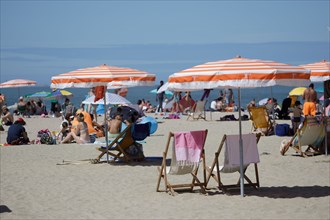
pixel 135 93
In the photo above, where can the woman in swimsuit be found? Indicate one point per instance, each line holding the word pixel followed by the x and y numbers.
pixel 80 133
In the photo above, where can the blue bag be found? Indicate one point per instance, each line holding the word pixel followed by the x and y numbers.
pixel 282 129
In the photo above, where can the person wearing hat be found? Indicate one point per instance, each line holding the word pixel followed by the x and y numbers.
pixel 22 107
pixel 17 134
pixel 310 97
pixel 7 118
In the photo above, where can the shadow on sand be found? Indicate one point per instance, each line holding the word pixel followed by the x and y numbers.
pixel 4 208
pixel 285 192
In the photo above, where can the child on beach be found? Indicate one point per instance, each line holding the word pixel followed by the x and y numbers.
pixel 297 113
pixel 65 130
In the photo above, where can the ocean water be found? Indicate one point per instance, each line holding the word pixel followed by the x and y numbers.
pixel 136 93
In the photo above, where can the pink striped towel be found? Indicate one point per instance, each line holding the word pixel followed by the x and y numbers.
pixel 188 146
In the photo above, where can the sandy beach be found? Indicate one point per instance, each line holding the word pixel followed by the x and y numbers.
pixel 33 186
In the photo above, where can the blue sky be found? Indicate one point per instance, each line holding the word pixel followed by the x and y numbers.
pixel 40 39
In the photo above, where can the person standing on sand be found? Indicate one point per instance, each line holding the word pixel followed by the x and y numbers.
pixel 310 97
pixel 160 97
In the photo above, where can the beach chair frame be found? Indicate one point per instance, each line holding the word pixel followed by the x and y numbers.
pixel 215 172
pixel 260 119
pixel 198 111
pixel 163 175
pixel 117 147
pixel 298 140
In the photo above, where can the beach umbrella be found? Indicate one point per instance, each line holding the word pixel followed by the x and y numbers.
pixel 263 101
pixel 17 83
pixel 110 98
pixel 111 77
pixel 38 95
pixel 238 73
pixel 167 92
pixel 320 72
pixel 103 75
pixel 59 94
pixel 298 91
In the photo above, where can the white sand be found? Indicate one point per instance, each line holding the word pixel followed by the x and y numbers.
pixel 34 187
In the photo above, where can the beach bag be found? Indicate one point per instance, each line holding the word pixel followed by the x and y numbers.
pixel 282 130
pixel 45 137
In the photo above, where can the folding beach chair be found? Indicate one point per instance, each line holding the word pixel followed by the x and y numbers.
pixel 231 160
pixel 261 122
pixel 310 134
pixel 187 154
pixel 126 146
pixel 198 111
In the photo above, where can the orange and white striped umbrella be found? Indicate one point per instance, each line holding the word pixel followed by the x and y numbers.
pixel 17 83
pixel 104 75
pixel 238 73
pixel 320 71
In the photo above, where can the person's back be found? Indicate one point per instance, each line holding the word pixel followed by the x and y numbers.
pixel 83 132
pixel 310 97
pixel 115 126
pixel 213 105
pixel 285 108
pixel 17 134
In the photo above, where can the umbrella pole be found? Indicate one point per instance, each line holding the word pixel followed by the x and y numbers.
pixel 106 124
pixel 240 143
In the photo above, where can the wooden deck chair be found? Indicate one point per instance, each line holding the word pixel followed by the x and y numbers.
pixel 310 134
pixel 198 111
pixel 119 147
pixel 231 160
pixel 187 154
pixel 261 122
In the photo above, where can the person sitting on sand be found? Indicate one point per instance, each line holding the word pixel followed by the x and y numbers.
pixel 7 118
pixel 65 130
pixel 17 134
pixel 115 126
pixel 80 133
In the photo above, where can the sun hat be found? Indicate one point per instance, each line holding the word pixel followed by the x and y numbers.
pixel 21 121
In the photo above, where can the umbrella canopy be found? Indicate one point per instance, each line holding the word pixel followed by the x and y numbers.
pixel 17 83
pixel 59 94
pixel 103 75
pixel 298 91
pixel 320 71
pixel 263 101
pixel 238 73
pixel 167 92
pixel 110 98
pixel 38 95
